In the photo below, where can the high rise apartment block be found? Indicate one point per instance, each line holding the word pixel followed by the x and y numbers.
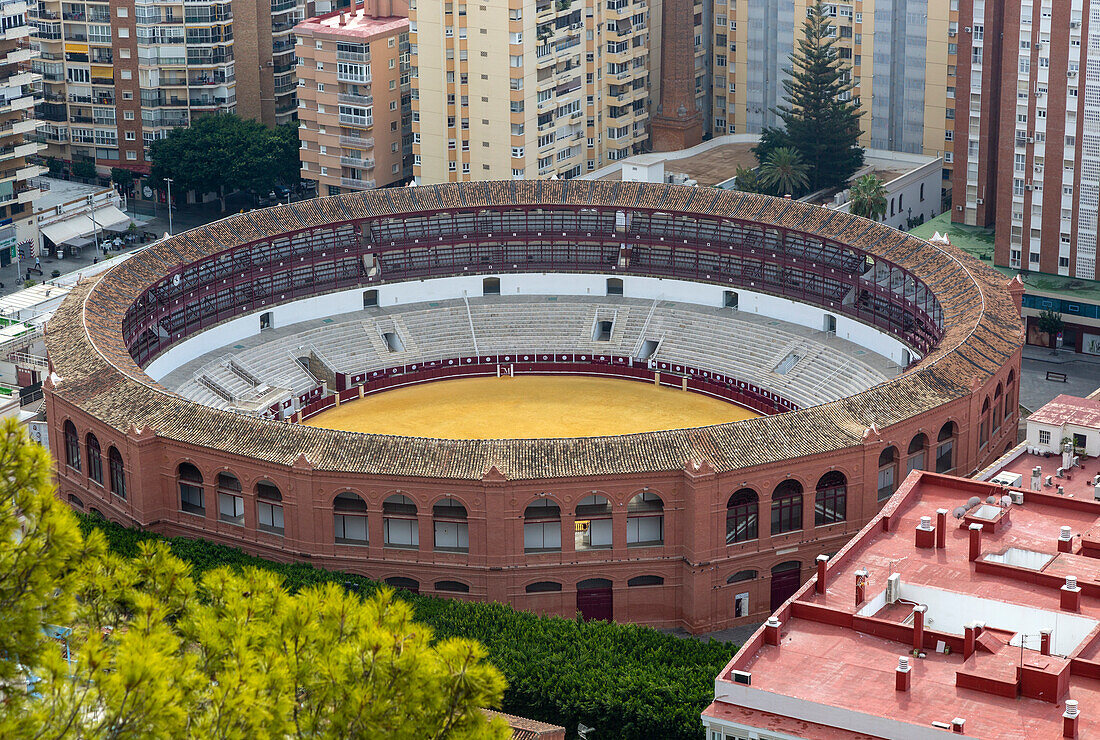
pixel 17 127
pixel 901 52
pixel 1028 131
pixel 353 97
pixel 528 88
pixel 118 75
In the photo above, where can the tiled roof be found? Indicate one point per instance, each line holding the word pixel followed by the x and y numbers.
pixel 86 347
pixel 1065 409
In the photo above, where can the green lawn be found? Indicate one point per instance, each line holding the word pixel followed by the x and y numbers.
pixel 978 242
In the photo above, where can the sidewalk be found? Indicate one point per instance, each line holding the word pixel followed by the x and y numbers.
pixel 183 218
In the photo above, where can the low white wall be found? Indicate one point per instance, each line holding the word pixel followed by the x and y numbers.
pixel 438 289
pixel 950 611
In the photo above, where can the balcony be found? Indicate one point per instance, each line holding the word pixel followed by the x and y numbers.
pixel 218 78
pixel 355 99
pixel 350 120
pixel 215 102
pixel 360 78
pixel 354 141
pixel 353 56
pixel 363 164
pixel 350 182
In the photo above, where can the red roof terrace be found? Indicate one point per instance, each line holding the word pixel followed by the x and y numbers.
pixel 964 607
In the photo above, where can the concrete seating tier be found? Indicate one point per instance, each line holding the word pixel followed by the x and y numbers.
pixel 745 346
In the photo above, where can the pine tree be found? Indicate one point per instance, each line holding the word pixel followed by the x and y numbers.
pixel 824 128
pixel 233 656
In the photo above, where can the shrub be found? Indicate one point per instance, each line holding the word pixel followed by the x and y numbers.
pixel 627 681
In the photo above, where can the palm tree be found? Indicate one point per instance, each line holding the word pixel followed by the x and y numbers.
pixel 785 172
pixel 746 180
pixel 868 197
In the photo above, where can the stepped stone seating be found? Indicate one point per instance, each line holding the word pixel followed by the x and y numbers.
pixel 745 346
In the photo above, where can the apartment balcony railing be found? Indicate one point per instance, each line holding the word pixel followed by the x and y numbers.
pixel 355 99
pixel 353 56
pixel 351 182
pixel 363 164
pixel 352 120
pixel 362 143
pixel 356 78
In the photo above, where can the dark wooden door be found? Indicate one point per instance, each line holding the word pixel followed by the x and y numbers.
pixel 786 578
pixel 595 599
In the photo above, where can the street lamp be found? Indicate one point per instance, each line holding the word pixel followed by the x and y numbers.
pixel 95 226
pixel 169 181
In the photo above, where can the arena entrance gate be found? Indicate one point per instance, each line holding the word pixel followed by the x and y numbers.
pixel 594 599
pixel 786 578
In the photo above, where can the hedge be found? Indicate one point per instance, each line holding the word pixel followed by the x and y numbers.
pixel 624 680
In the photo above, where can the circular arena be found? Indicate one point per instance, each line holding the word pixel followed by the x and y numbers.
pixel 644 402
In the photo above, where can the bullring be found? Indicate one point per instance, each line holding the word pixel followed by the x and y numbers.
pixel 708 526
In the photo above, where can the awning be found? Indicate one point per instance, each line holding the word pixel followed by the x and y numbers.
pixel 68 230
pixel 112 218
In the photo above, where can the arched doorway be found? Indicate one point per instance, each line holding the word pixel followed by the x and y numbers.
pixel 594 599
pixel 786 578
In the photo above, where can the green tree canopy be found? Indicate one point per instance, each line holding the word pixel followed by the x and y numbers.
pixel 820 117
pixel 234 655
pixel 223 153
pixel 868 197
pixel 784 172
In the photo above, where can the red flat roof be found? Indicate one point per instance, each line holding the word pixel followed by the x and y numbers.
pixel 1065 409
pixel 836 661
pixel 358 27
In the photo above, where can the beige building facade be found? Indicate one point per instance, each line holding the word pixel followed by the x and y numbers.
pixel 17 130
pixel 353 97
pixel 118 75
pixel 528 89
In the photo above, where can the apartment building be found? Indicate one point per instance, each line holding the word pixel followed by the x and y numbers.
pixel 1028 131
pixel 902 54
pixel 118 75
pixel 354 97
pixel 527 88
pixel 17 129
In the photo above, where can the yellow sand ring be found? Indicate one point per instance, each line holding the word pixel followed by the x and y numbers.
pixel 529 406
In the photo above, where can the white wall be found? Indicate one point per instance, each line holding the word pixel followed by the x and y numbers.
pixel 438 289
pixel 949 611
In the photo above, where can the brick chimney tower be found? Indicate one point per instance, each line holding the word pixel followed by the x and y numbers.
pixel 677 124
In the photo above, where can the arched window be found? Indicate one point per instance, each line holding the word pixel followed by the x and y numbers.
pixel 75 501
pixel 646 581
pixel 998 406
pixel 72 446
pixel 983 427
pixel 831 499
pixel 592 529
pixel 118 472
pixel 916 455
pixel 191 492
pixel 95 460
pixel 645 521
pixel 399 522
pixel 887 473
pixel 742 576
pixel 945 448
pixel 542 526
pixel 452 586
pixel 230 500
pixel 742 516
pixel 614 286
pixel 452 532
pixel 543 587
pixel 1010 395
pixel 269 508
pixel 409 584
pixel 787 507
pixel 922 192
pixel 350 517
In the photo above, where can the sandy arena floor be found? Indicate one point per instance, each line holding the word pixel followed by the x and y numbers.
pixel 528 406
